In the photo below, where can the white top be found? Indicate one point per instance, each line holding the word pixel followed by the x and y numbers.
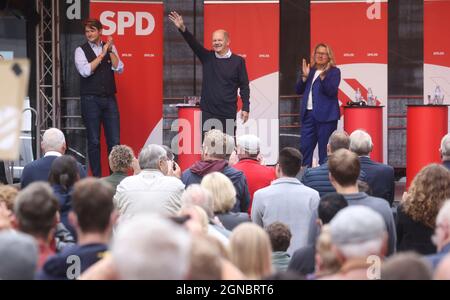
pixel 84 67
pixel 149 191
pixel 52 153
pixel 309 105
pixel 226 55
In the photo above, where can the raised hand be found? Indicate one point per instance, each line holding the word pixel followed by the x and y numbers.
pixel 110 42
pixel 306 68
pixel 177 20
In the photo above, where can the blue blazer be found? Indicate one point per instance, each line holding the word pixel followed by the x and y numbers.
pixel 324 95
pixel 39 170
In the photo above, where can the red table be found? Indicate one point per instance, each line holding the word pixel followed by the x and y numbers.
pixel 370 119
pixel 427 124
pixel 189 134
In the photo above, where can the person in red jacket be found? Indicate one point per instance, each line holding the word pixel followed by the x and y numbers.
pixel 258 176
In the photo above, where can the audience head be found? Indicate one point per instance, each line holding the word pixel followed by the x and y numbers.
pixel 145 237
pixel 344 168
pixel 406 266
pixel 197 220
pixel 248 146
pixel 214 145
pixel 361 142
pixel 289 162
pixel 206 261
pixel 326 260
pixel 443 269
pixel 329 205
pixel 197 195
pixel 64 172
pixel 445 147
pixel 92 204
pixel 250 250
pixel 36 210
pixel 441 236
pixel 53 140
pixel 153 157
pixel 19 256
pixel 358 232
pixel 427 192
pixel 8 195
pixel 222 191
pixel 280 236
pixel 121 158
pixel 338 140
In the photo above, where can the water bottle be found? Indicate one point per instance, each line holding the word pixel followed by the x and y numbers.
pixel 358 95
pixel 370 98
pixel 438 97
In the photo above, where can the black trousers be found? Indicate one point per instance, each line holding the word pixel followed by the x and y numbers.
pixel 210 121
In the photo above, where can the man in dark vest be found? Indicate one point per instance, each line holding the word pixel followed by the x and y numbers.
pixel 96 61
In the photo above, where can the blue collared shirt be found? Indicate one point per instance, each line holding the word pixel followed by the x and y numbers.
pixel 84 67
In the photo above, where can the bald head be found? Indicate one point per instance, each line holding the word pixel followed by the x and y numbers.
pixel 220 41
pixel 223 33
pixel 53 140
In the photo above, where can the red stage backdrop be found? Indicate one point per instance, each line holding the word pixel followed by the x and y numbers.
pixel 436 49
pixel 254 35
pixel 357 32
pixel 137 29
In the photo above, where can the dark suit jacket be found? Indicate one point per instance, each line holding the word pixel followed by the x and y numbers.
pixel 39 170
pixel 380 178
pixel 324 92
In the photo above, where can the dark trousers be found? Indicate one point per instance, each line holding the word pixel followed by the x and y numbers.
pixel 313 133
pixel 98 111
pixel 210 121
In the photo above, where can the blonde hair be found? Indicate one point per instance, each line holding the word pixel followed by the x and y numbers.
pixel 329 52
pixel 250 250
pixel 222 190
pixel 329 263
pixel 200 215
pixel 8 195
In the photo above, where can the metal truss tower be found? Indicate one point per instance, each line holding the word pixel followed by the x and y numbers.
pixel 48 71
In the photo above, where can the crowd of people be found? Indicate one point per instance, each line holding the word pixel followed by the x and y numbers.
pixel 226 217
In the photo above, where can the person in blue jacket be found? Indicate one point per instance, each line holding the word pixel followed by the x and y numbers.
pixel 319 110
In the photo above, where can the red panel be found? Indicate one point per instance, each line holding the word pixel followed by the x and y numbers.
pixel 252 28
pixel 436 28
pixel 140 86
pixel 426 127
pixel 189 136
pixel 346 27
pixel 369 119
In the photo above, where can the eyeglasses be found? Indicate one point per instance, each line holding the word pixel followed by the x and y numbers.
pixel 321 54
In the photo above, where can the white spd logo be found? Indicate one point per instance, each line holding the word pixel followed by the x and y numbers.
pixel 125 19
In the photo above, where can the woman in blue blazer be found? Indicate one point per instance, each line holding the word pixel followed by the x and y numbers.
pixel 319 111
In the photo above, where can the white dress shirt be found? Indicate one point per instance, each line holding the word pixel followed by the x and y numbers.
pixel 84 67
pixel 226 55
pixel 309 105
